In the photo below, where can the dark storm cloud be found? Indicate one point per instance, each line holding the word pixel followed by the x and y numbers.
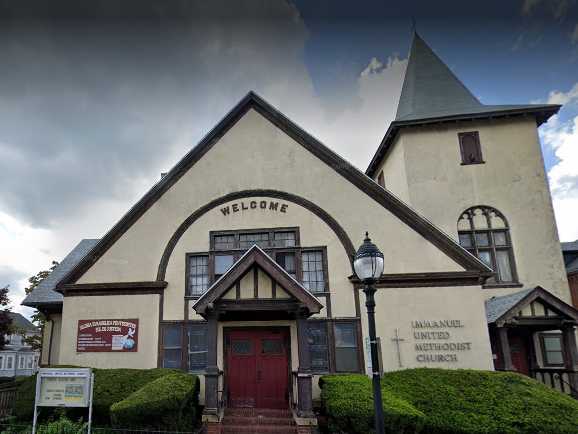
pixel 95 95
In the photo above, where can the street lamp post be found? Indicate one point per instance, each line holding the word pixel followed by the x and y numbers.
pixel 368 265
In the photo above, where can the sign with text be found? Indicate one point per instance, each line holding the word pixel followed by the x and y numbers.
pixel 63 387
pixel 435 341
pixel 107 335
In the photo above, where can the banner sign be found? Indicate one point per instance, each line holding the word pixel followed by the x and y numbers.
pixel 107 335
pixel 63 387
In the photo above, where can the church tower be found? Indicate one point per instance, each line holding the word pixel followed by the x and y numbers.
pixel 476 171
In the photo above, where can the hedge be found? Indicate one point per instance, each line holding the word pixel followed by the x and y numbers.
pixel 168 402
pixel 110 386
pixel 348 404
pixel 468 401
pixel 460 401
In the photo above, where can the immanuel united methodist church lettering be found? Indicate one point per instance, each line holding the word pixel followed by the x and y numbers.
pixel 245 276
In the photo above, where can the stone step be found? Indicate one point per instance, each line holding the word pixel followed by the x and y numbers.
pixel 257 420
pixel 258 429
pixel 253 412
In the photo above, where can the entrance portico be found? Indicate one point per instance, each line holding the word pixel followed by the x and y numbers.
pixel 256 313
pixel 534 333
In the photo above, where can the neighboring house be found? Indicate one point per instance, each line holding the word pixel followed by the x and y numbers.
pixel 237 264
pixel 17 358
pixel 570 252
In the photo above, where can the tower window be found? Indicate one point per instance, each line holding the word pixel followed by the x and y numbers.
pixel 470 147
pixel 483 231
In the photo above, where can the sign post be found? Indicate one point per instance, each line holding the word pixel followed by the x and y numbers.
pixel 63 388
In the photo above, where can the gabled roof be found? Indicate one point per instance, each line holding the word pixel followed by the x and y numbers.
pixel 255 256
pixel 571 246
pixel 21 323
pixel 507 306
pixel 570 253
pixel 432 93
pixel 44 293
pixel 365 185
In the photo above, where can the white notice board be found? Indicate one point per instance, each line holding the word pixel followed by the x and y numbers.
pixel 63 387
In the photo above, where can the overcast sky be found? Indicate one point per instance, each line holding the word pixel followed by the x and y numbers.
pixel 97 98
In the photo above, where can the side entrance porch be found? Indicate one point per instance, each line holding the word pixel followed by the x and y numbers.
pixel 534 333
pixel 258 376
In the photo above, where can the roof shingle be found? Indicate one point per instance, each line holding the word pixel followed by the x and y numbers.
pixel 432 90
pixel 498 306
pixel 44 293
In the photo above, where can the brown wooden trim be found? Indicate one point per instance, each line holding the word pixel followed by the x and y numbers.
pixel 549 300
pixel 184 342
pixel 255 282
pixel 502 285
pixel 357 301
pixel 476 137
pixel 236 232
pixel 324 264
pixel 188 257
pixel 255 256
pixel 361 344
pixel 273 288
pixel 258 305
pixel 50 342
pixel 113 292
pixel 418 280
pixel 328 305
pixel 160 330
pixel 342 167
pixel 543 349
pixel 238 289
pixel 331 345
pixel 121 287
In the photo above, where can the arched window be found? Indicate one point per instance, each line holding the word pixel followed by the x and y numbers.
pixel 484 232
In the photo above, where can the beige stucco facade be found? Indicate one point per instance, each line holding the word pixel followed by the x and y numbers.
pixel 145 308
pixel 438 324
pixel 424 168
pixel 254 154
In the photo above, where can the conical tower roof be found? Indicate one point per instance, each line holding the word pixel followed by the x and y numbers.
pixel 431 90
pixel 432 93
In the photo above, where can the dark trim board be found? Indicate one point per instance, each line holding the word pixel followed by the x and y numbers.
pixel 419 280
pixel 365 184
pixel 563 312
pixel 112 288
pixel 256 257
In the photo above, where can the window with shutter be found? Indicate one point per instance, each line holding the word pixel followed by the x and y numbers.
pixel 470 147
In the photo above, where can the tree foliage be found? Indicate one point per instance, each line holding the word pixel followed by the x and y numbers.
pixel 38 317
pixel 5 320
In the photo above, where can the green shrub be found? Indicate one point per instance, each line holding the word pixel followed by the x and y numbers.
pixel 110 386
pixel 468 401
pixel 348 404
pixel 62 426
pixel 458 401
pixel 168 402
pixel 114 385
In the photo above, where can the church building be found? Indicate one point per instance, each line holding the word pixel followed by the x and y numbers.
pixel 237 264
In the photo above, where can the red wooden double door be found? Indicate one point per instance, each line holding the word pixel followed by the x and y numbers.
pixel 257 371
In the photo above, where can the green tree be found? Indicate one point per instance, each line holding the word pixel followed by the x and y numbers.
pixel 5 320
pixel 38 317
